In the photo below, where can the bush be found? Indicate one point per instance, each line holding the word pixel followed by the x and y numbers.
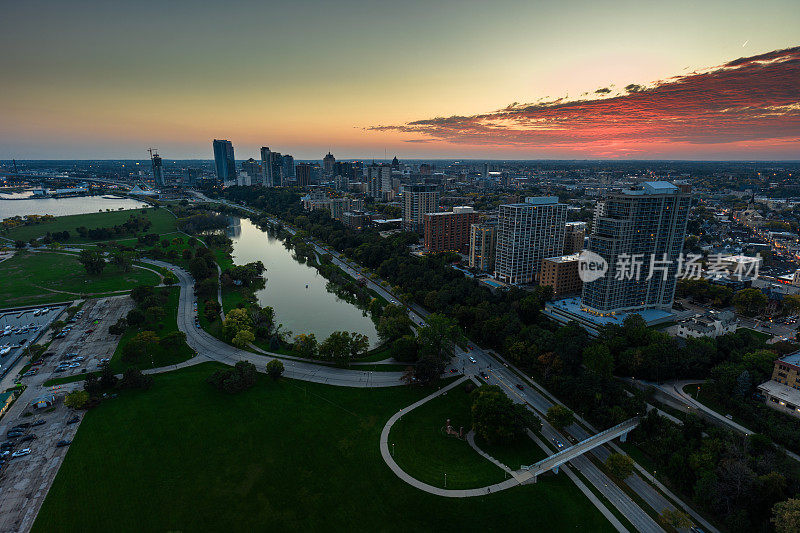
pixel 134 379
pixel 275 368
pixel 77 399
pixel 239 378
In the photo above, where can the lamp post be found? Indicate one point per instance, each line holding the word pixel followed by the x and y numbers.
pixel 445 480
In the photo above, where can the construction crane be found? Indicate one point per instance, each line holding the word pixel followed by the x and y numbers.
pixel 151 150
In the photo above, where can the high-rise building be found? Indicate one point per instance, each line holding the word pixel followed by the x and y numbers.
pixel 449 231
pixel 158 170
pixel 574 235
pixel 266 167
pixel 527 233
pixel 639 232
pixel 288 166
pixel 303 173
pixel 395 164
pixel 224 161
pixel 379 180
pixel 252 168
pixel 482 238
pixel 327 164
pixel 417 200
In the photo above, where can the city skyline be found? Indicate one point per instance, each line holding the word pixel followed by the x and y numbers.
pixel 105 81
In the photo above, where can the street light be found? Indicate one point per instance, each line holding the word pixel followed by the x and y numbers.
pixel 445 480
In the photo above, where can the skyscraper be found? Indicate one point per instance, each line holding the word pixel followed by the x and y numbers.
pixel 395 164
pixel 288 166
pixel 418 200
pixel 327 164
pixel 266 167
pixel 253 170
pixel 527 233
pixel 482 245
pixel 303 173
pixel 379 180
pixel 644 227
pixel 158 170
pixel 224 161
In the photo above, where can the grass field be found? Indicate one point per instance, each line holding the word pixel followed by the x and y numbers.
pixel 423 450
pixel 514 454
pixel 159 356
pixel 283 456
pixel 34 278
pixel 162 220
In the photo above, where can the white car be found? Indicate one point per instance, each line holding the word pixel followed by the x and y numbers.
pixel 74 365
pixel 472 359
pixel 21 453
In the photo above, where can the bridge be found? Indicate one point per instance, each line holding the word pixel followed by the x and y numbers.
pixel 567 454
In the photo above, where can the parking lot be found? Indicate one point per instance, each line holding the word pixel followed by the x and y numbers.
pixel 24 481
pixel 20 328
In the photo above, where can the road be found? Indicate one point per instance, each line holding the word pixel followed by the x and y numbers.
pixel 498 374
pixel 215 350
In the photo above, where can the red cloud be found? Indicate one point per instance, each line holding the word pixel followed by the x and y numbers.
pixel 748 102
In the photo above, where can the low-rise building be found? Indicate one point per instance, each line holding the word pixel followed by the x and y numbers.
pixel 782 392
pixel 561 273
pixel 713 324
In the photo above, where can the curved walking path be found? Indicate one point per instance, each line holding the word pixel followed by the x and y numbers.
pixel 399 472
pixel 211 348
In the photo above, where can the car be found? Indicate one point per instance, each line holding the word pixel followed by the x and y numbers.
pixel 5 453
pixel 729 417
pixel 22 426
pixel 74 365
pixel 62 443
pixel 60 369
pixel 484 375
pixel 472 359
pixel 79 358
pixel 105 360
pixel 21 453
pixel 520 387
pixel 14 434
pixel 198 324
pixel 452 370
pixel 695 529
pixel 28 437
pixel 89 331
pixel 558 443
pixel 74 419
pixel 38 423
pixel 8 445
pixel 29 373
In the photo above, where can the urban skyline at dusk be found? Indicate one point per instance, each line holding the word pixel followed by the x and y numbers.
pixel 508 81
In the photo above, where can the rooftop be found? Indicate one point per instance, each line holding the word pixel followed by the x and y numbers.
pixel 563 258
pixel 792 359
pixel 782 392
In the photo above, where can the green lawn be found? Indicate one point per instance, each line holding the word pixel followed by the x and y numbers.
pixel 34 278
pixel 160 356
pixel 162 220
pixel 521 452
pixel 283 456
pixel 423 450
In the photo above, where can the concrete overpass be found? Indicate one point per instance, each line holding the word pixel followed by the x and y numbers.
pixel 564 456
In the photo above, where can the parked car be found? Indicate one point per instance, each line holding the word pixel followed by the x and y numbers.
pixel 20 453
pixel 74 419
pixel 520 387
pixel 22 426
pixel 472 359
pixel 27 437
pixel 38 423
pixel 62 443
pixel 14 434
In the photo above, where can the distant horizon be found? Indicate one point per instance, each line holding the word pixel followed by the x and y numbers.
pixel 418 159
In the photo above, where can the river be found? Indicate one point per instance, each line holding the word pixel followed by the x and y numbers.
pixel 22 204
pixel 294 290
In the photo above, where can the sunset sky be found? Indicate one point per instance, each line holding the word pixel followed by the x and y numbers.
pixel 420 79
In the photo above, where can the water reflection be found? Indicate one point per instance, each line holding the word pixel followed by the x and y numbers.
pixel 296 291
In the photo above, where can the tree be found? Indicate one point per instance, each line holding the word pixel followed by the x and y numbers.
pixel 93 261
pixel 306 345
pixel 19 245
pixel 139 346
pixel 560 416
pixel 135 317
pixel 119 327
pixel 394 322
pixel 122 260
pixel 155 314
pixel 598 360
pixel 620 465
pixel 76 399
pixel 133 378
pixel 275 369
pixel 749 302
pixel 495 418
pixel 211 309
pixel 241 377
pixel 437 337
pixel 786 516
pixel 404 349
pixel 676 518
pixel 107 378
pixel 173 340
pixel 237 320
pixel 791 303
pixel 243 338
